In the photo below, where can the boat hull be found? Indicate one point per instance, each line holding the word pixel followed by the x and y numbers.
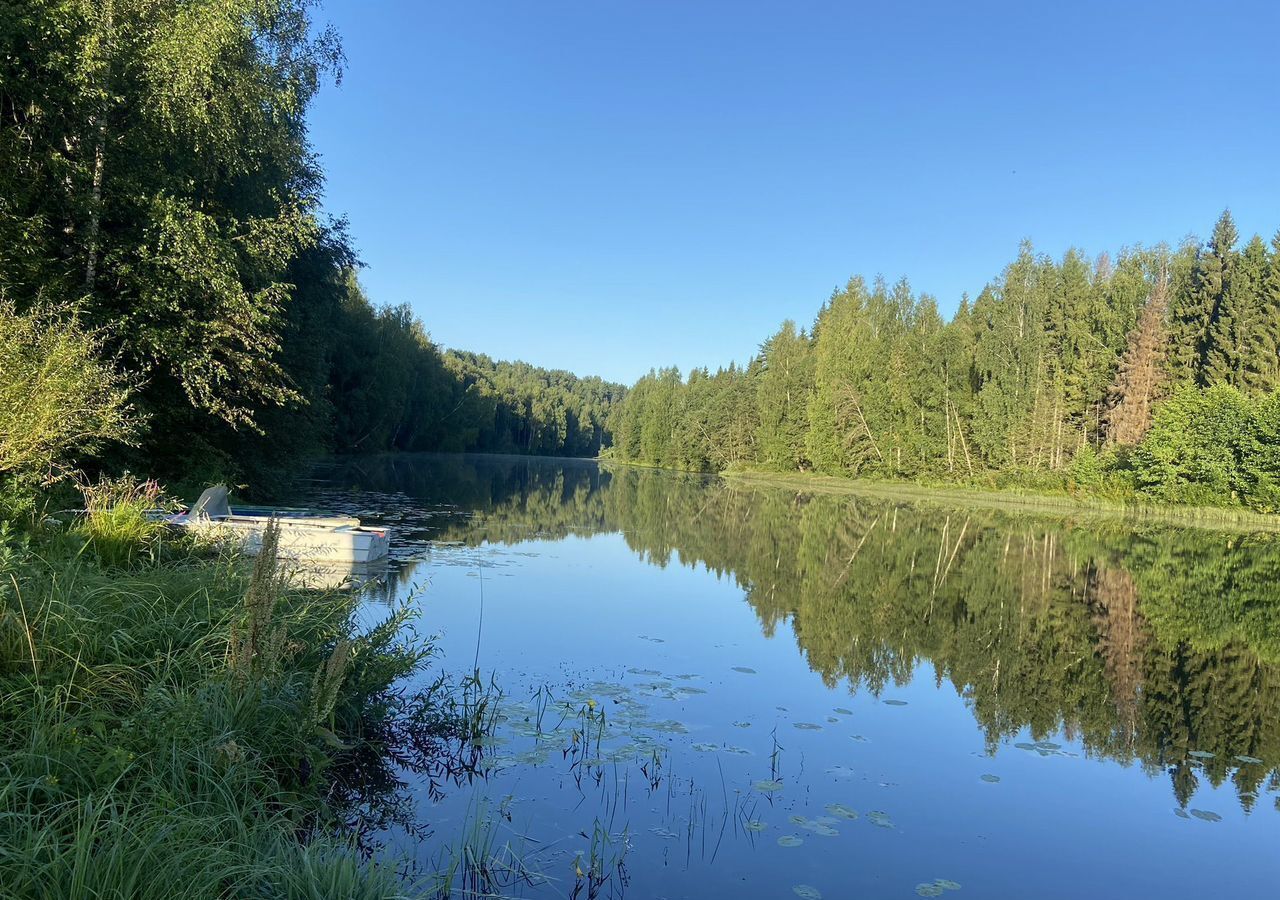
pixel 313 541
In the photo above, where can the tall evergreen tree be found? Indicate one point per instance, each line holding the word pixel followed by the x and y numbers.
pixel 1195 308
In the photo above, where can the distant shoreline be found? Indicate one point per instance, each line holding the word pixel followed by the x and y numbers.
pixel 1218 518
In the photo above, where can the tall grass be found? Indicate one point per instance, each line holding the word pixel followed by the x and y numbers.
pixel 172 725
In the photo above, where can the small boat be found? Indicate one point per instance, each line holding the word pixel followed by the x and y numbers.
pixel 305 536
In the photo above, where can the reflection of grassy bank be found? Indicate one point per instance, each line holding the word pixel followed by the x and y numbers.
pixel 1017 499
pixel 174 725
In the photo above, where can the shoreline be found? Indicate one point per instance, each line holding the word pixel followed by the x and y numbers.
pixel 1006 499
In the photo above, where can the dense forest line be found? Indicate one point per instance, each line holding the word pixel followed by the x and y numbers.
pixel 1152 374
pixel 1146 645
pixel 162 242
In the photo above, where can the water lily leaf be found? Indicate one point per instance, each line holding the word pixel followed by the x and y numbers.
pixel 768 786
pixel 790 840
pixel 741 724
pixel 990 779
pixel 844 812
pixel 880 819
pixel 797 820
pixel 928 890
pixel 947 884
pixel 1252 760
pixel 842 711
pixel 807 892
pixel 705 748
pixel 755 825
pixel 806 726
pixel 1206 815
pixel 895 702
pixel 1202 754
pixel 842 772
pixel 745 670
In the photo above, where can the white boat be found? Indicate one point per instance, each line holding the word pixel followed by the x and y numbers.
pixel 304 537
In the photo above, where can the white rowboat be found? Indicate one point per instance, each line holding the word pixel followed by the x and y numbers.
pixel 306 538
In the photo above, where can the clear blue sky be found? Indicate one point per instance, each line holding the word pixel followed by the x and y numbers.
pixel 607 186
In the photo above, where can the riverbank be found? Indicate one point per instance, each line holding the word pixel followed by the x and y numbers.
pixel 177 722
pixel 1014 500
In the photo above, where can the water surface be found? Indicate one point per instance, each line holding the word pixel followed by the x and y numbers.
pixel 719 691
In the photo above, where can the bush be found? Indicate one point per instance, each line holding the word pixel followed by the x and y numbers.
pixel 59 397
pixel 1212 447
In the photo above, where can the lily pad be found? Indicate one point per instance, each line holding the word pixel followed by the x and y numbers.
pixel 807 726
pixel 1206 815
pixel 822 830
pixel 879 818
pixel 807 892
pixel 756 825
pixel 895 702
pixel 1202 754
pixel 741 724
pixel 705 748
pixel 1181 813
pixel 990 779
pixel 842 772
pixel 745 670
pixel 929 889
pixel 947 884
pixel 790 840
pixel 797 820
pixel 844 812
pixel 1250 760
pixel 840 710
pixel 768 786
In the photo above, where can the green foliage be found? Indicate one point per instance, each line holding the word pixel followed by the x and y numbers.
pixel 60 399
pixel 1213 447
pixel 1048 379
pixel 141 756
pixel 116 521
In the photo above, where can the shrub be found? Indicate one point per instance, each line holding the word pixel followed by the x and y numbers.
pixel 59 396
pixel 1212 447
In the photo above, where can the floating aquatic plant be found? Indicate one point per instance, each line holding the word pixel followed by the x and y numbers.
pixel 790 840
pixel 990 779
pixel 841 811
pixel 807 892
pixel 1206 815
pixel 745 670
pixel 768 786
pixel 879 818
pixel 807 726
pixel 895 702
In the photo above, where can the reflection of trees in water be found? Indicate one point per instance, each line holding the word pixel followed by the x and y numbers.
pixel 1145 645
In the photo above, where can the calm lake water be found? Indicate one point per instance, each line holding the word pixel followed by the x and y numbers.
pixel 714 691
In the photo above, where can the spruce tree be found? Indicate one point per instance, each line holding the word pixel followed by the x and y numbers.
pixel 1196 306
pixel 1239 312
pixel 1262 346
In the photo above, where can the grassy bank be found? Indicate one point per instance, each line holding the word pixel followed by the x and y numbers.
pixel 1013 499
pixel 177 723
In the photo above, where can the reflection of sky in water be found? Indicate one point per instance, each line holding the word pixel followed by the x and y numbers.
pixel 590 620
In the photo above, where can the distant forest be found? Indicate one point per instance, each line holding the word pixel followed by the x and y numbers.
pixel 1150 375
pixel 171 294
pixel 174 301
